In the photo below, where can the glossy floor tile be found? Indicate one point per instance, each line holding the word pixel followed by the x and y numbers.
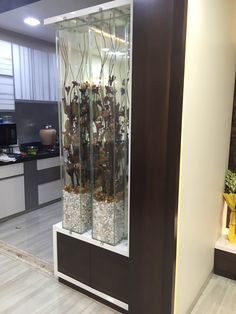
pixel 219 297
pixel 32 232
pixel 24 290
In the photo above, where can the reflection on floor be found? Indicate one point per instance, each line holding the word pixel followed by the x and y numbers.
pixel 32 232
pixel 218 297
pixel 26 290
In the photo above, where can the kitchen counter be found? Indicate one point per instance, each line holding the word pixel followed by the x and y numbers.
pixel 41 154
pixel 36 180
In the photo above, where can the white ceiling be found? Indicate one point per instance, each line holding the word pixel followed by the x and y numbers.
pixel 13 20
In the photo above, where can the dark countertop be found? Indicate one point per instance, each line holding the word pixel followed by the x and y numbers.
pixel 41 154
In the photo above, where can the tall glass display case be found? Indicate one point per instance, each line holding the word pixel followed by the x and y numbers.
pixel 94 60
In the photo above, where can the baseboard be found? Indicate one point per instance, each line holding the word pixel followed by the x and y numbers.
pixel 200 293
pixel 26 211
pixel 93 296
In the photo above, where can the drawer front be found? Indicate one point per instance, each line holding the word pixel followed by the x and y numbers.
pixel 12 196
pixel 110 273
pixel 50 191
pixel 48 163
pixel 73 258
pixel 48 175
pixel 11 170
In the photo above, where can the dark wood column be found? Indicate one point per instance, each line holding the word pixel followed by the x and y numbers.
pixel 157 90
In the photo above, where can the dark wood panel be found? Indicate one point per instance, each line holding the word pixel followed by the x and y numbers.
pixel 110 273
pixel 232 152
pixel 31 185
pixel 157 87
pixel 73 258
pixel 7 5
pixel 225 264
pixel 177 63
pixel 48 175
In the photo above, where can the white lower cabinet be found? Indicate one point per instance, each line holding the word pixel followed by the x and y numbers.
pixel 48 163
pixel 12 196
pixel 11 171
pixel 49 191
pixel 29 185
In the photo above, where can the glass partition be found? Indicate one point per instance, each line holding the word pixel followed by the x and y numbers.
pixel 93 56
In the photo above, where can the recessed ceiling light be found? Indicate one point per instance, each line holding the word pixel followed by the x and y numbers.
pixel 31 21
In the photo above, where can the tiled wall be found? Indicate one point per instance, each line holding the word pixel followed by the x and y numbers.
pixel 30 117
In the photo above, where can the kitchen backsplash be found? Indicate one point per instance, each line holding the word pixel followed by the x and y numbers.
pixel 30 117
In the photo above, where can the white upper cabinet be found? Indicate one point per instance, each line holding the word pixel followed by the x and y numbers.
pixel 34 74
pixel 7 101
pixel 5 58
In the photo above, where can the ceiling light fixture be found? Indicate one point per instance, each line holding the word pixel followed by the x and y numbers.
pixel 31 21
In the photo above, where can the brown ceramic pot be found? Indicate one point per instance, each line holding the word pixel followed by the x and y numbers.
pixel 48 135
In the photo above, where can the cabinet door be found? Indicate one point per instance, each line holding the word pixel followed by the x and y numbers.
pixel 110 273
pixel 73 258
pixel 22 61
pixel 53 90
pixel 7 100
pixel 6 80
pixel 12 196
pixel 5 58
pixel 34 73
pixel 40 75
pixel 49 191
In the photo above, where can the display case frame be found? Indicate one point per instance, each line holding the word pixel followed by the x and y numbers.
pixel 102 206
pixel 155 165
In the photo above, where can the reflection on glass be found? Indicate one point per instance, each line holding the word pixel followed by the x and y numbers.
pixel 93 56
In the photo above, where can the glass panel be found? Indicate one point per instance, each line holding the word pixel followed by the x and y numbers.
pixel 75 121
pixel 94 65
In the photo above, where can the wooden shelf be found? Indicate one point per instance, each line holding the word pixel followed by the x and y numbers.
pixel 121 248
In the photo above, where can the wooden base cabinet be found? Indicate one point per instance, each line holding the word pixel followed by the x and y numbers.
pixel 225 264
pixel 225 258
pixel 97 271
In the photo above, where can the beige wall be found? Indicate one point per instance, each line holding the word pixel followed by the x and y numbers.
pixel 207 110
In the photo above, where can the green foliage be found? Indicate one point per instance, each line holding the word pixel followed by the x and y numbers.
pixel 230 182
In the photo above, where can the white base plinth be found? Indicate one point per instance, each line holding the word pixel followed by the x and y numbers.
pixel 121 248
